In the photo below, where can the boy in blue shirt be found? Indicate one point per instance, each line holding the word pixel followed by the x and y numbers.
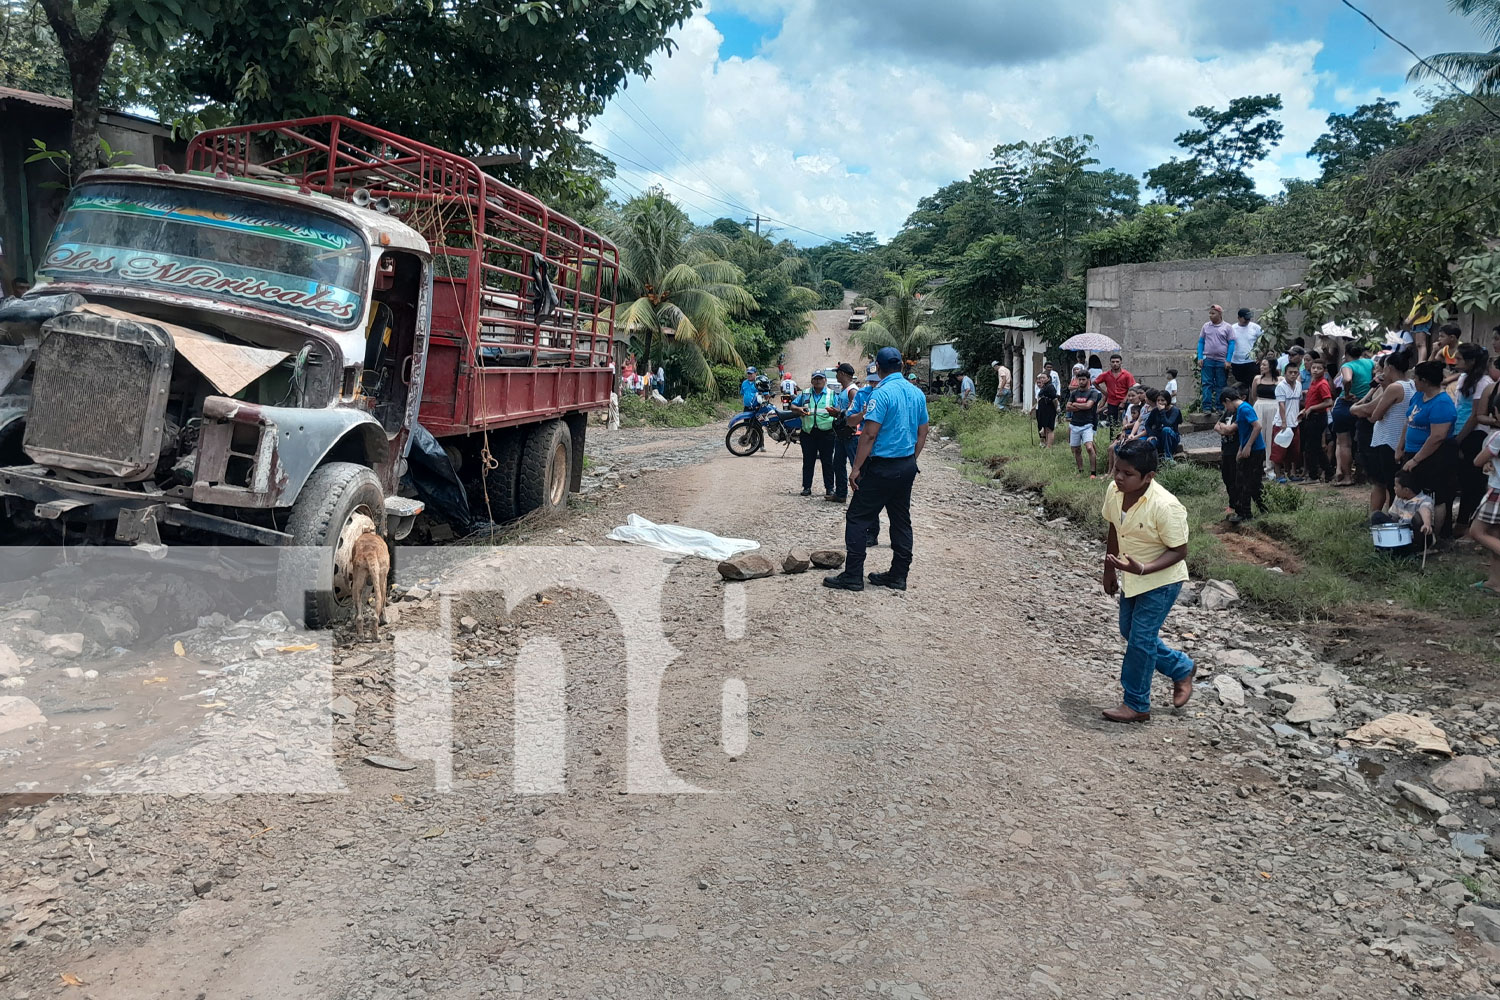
pixel 1250 459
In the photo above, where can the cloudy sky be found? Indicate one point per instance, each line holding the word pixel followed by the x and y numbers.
pixel 838 115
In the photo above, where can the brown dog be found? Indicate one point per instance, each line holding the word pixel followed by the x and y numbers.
pixel 371 565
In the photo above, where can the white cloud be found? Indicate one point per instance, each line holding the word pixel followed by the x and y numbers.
pixel 834 127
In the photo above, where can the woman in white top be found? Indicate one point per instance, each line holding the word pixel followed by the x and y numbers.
pixel 1263 398
pixel 1385 407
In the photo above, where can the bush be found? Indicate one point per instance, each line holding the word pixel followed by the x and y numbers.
pixel 728 378
pixel 1283 498
pixel 1184 479
pixel 692 412
pixel 830 295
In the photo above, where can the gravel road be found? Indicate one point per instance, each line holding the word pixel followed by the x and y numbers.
pixel 927 804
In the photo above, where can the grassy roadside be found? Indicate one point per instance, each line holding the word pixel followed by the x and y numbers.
pixel 693 412
pixel 1319 538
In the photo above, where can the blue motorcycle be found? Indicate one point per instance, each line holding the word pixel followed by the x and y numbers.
pixel 748 430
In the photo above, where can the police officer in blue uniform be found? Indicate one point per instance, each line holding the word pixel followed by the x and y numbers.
pixel 749 393
pixel 890 441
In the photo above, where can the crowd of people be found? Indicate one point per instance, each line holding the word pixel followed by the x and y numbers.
pixel 1110 398
pixel 1416 421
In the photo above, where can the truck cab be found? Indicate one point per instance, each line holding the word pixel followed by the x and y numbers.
pixel 219 357
pixel 249 349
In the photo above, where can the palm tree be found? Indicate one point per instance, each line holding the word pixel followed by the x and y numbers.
pixel 673 277
pixel 1478 70
pixel 901 320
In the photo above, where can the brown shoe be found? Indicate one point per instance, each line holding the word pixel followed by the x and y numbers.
pixel 1126 714
pixel 1183 690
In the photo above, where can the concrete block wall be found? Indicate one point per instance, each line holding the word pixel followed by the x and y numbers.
pixel 1154 311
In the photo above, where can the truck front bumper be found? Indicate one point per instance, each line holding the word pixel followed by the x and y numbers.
pixel 137 516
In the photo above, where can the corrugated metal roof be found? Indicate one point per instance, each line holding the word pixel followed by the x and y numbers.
pixel 1014 323
pixel 39 100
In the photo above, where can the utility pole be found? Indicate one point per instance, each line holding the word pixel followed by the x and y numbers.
pixel 757 224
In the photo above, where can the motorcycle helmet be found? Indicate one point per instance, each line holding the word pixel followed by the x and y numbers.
pixel 763 384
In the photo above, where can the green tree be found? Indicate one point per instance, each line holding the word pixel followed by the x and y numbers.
pixel 992 270
pixel 475 76
pixel 675 278
pixel 1421 216
pixel 901 320
pixel 1060 310
pixel 771 274
pixel 1069 199
pixel 1222 148
pixel 1353 139
pixel 1479 70
pixel 830 294
pixel 1131 241
pixel 87 32
pixel 30 58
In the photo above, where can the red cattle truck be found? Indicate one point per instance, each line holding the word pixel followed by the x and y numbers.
pixel 246 349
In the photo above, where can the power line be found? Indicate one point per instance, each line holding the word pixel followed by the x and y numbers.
pixel 681 153
pixel 704 194
pixel 668 177
pixel 650 179
pixel 653 170
pixel 692 165
pixel 1423 62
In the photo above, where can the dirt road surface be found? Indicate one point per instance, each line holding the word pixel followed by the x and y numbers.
pixel 927 804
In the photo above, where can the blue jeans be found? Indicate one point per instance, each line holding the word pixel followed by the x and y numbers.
pixel 1166 440
pixel 1141 619
pixel 1212 377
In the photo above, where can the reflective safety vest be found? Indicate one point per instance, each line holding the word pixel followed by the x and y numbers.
pixel 816 402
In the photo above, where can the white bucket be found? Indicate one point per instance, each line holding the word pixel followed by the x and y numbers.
pixel 1390 536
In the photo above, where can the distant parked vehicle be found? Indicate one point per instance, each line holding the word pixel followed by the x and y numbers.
pixel 858 316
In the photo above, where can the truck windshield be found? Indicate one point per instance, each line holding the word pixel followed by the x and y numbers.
pixel 212 244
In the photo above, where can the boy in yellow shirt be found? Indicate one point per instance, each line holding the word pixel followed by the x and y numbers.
pixel 1146 564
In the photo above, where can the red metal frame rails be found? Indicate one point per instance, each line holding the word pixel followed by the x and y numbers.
pixel 492 361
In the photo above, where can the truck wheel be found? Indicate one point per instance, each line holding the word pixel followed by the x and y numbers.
pixel 546 466
pixel 337 502
pixel 500 482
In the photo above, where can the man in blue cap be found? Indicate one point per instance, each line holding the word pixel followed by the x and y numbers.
pixel 890 441
pixel 749 394
pixel 818 408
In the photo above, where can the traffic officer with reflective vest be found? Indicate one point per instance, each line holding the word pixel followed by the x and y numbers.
pixel 818 407
pixel 891 439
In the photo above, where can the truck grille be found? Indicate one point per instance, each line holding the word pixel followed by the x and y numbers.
pixel 99 395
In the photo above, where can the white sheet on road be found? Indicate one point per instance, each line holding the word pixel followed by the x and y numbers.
pixel 679 540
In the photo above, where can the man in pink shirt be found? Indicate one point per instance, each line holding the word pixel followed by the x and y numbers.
pixel 1116 383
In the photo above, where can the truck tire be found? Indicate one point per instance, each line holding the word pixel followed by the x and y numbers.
pixel 324 522
pixel 500 482
pixel 546 468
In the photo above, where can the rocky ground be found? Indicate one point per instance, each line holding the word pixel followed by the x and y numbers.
pixel 927 803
